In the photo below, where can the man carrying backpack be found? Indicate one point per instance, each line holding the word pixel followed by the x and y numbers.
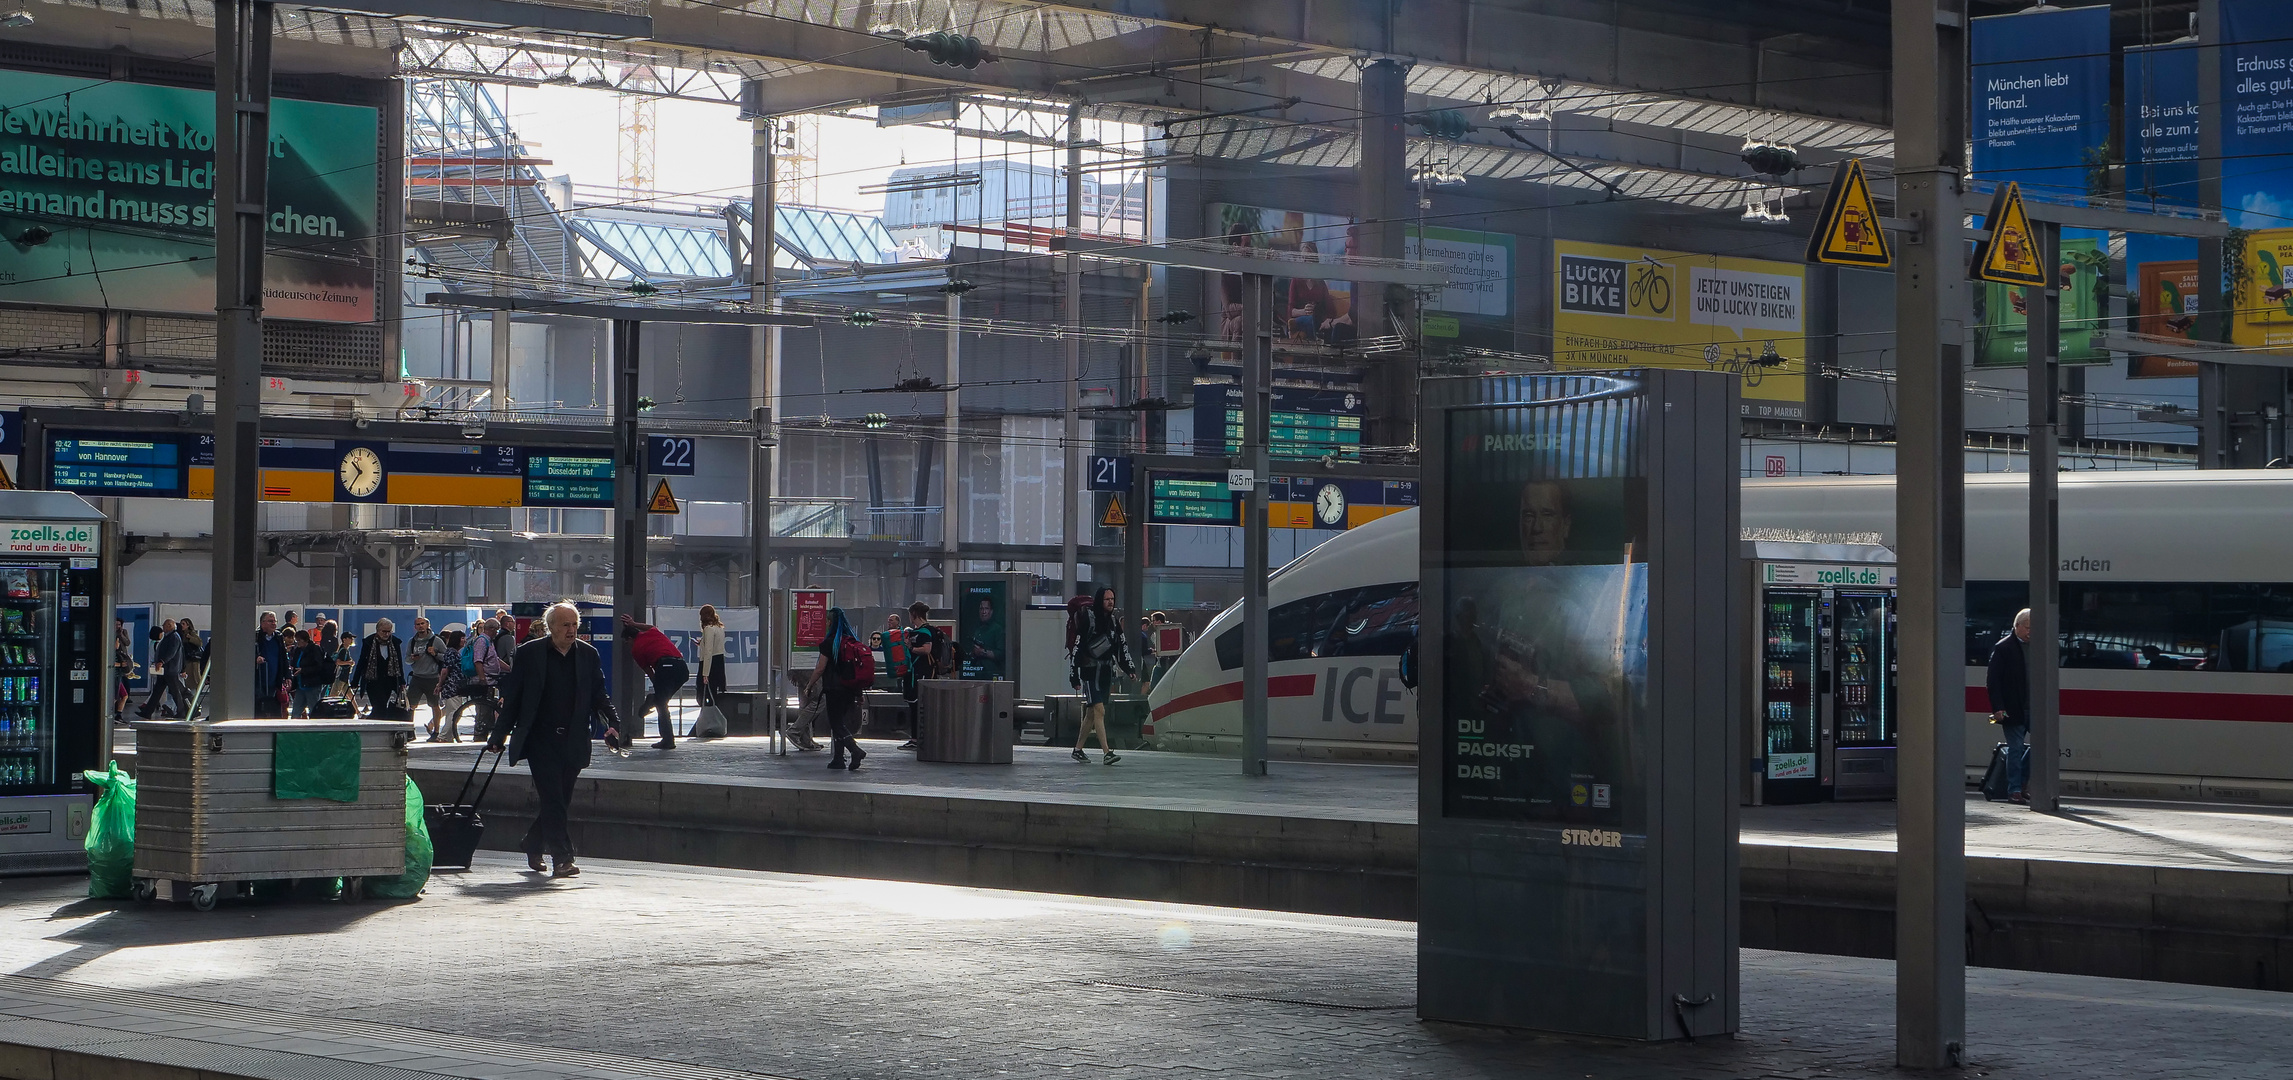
pixel 846 668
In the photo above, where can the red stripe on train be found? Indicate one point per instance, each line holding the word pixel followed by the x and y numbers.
pixel 2162 705
pixel 1278 686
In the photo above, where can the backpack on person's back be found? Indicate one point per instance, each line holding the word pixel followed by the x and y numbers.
pixel 855 667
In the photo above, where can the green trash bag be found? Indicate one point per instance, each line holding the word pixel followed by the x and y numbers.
pixel 111 835
pixel 419 853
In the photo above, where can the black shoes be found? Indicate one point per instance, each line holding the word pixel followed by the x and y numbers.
pixel 858 755
pixel 908 745
pixel 1113 757
pixel 665 744
pixel 1079 755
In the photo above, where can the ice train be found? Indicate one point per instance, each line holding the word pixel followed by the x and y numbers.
pixel 2177 628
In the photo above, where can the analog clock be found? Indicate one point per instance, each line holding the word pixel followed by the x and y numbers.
pixel 1330 506
pixel 361 472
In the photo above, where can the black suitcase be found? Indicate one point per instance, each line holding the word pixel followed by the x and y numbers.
pixel 1994 777
pixel 334 708
pixel 456 827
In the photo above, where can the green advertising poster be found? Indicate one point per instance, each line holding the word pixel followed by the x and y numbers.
pixel 107 200
pixel 2002 325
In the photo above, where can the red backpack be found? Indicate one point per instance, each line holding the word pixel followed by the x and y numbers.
pixel 855 665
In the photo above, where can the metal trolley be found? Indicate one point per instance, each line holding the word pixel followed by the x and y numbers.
pixel 207 823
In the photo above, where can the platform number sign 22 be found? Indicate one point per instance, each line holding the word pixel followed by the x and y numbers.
pixel 1110 472
pixel 669 455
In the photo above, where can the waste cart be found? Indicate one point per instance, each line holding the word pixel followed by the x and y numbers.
pixel 966 720
pixel 223 805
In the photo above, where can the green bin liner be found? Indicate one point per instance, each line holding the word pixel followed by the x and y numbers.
pixel 419 854
pixel 111 834
pixel 315 765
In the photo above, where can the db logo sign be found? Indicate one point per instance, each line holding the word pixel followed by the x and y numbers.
pixel 1775 465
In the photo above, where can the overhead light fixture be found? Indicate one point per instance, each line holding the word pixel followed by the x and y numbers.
pixel 474 429
pixel 1505 114
pixel 16 20
pixel 1770 158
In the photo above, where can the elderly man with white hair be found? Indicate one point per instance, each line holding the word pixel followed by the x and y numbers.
pixel 555 686
pixel 381 668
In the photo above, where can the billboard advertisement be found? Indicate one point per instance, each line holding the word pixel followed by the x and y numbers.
pixel 2161 116
pixel 983 630
pixel 107 200
pixel 1474 310
pixel 1620 307
pixel 1545 642
pixel 2257 92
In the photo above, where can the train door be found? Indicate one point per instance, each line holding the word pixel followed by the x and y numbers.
pixel 1792 749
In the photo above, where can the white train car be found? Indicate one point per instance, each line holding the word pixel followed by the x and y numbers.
pixel 2177 628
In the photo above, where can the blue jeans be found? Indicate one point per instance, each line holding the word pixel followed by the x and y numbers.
pixel 2017 756
pixel 305 697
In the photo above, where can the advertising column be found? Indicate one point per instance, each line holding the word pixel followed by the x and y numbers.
pixel 1581 702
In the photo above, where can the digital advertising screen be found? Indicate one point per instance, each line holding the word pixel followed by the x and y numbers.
pixel 1546 634
pixel 983 636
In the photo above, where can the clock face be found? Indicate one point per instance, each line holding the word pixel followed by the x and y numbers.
pixel 1330 505
pixel 361 472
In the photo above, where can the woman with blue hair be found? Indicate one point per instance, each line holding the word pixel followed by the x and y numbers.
pixel 845 669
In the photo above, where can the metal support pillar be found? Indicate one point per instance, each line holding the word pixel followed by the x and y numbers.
pixel 764 364
pixel 1070 443
pixel 2213 320
pixel 498 398
pixel 951 460
pixel 242 186
pixel 1257 402
pixel 2040 653
pixel 1931 306
pixel 629 524
pixel 1383 172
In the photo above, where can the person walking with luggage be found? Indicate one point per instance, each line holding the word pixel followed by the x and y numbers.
pixel 1100 646
pixel 194 665
pixel 845 668
pixel 664 667
pixel 313 670
pixel 270 668
pixel 425 667
pixel 712 656
pixel 122 669
pixel 2009 684
pixel 166 671
pixel 920 659
pixel 342 660
pixel 381 670
pixel 555 691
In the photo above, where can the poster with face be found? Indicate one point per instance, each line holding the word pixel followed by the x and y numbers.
pixel 1545 640
pixel 983 639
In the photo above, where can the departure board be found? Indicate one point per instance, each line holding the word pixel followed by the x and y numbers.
pixel 116 465
pixel 567 480
pixel 1191 500
pixel 1304 423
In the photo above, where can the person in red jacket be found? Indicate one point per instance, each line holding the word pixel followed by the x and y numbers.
pixel 659 659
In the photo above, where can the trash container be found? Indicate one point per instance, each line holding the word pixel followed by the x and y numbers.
pixel 966 721
pixel 1062 718
pixel 743 711
pixel 883 714
pixel 223 805
pixel 1126 715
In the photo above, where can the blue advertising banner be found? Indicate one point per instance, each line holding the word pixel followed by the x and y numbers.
pixel 2256 133
pixel 2161 111
pixel 2041 98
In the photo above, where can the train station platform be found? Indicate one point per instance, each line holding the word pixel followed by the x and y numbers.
pixel 643 970
pixel 2197 893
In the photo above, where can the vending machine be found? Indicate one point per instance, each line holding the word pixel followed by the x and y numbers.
pixel 55 666
pixel 1823 697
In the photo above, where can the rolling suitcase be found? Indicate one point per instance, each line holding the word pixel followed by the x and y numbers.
pixel 456 827
pixel 1994 777
pixel 334 708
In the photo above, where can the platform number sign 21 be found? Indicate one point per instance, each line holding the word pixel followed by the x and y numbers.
pixel 669 455
pixel 1110 472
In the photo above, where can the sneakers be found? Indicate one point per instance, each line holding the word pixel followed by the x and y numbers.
pixel 1112 757
pixel 1079 755
pixel 2018 798
pixel 908 745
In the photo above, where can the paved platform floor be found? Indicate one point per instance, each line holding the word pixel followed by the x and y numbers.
pixel 2172 834
pixel 644 970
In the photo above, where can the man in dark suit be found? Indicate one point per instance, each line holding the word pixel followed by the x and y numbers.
pixel 553 689
pixel 166 671
pixel 2009 684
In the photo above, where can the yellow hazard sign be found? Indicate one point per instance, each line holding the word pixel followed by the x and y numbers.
pixel 2009 255
pixel 664 500
pixel 1849 232
pixel 7 483
pixel 1114 517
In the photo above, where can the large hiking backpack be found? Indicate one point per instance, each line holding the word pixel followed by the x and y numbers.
pixel 855 665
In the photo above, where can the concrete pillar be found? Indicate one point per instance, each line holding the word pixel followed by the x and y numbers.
pixel 1383 211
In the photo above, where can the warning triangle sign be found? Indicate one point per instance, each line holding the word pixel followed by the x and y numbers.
pixel 7 483
pixel 1114 517
pixel 2009 255
pixel 1849 232
pixel 664 500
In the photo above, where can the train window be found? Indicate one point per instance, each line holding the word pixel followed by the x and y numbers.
pixel 2184 626
pixel 1377 620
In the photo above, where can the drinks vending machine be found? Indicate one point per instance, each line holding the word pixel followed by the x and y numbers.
pixel 1823 697
pixel 55 653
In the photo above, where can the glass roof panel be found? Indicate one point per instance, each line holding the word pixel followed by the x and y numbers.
pixel 650 250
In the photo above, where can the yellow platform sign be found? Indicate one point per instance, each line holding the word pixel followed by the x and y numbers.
pixel 664 500
pixel 1849 232
pixel 2009 255
pixel 1114 517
